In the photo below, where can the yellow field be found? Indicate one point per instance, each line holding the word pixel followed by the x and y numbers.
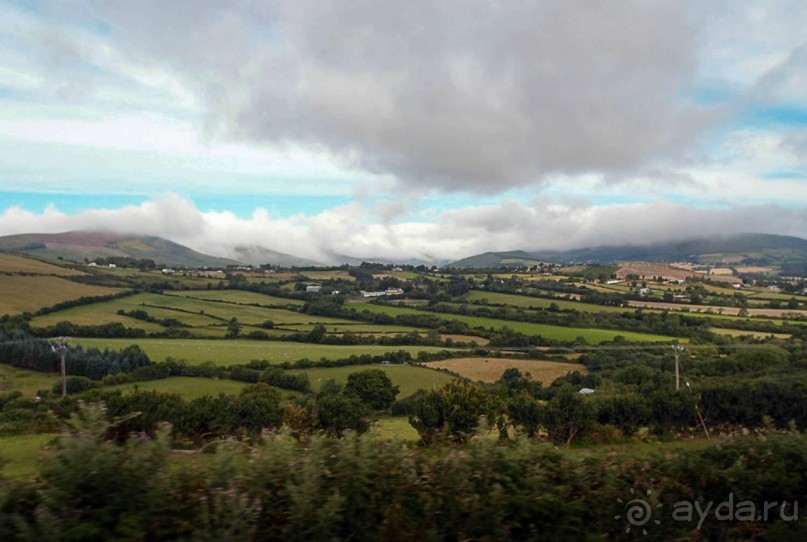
pixel 11 263
pixel 19 293
pixel 491 369
pixel 740 332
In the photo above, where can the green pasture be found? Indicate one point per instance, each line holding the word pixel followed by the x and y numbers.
pixel 20 454
pixel 191 311
pixel 409 378
pixel 28 382
pixel 240 297
pixel 231 352
pixel 592 335
pixel 16 263
pixel 28 293
pixel 394 428
pixel 520 301
pixel 184 386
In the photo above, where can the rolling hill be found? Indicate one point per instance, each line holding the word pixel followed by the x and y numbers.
pixel 760 248
pixel 81 245
pixel 257 255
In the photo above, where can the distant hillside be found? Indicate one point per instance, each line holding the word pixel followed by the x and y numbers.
pixel 81 245
pixel 761 248
pixel 257 255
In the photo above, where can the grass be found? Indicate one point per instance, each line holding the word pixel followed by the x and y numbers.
pixel 327 275
pixel 20 454
pixel 28 382
pixel 19 293
pixel 12 263
pixel 184 386
pixel 394 428
pixel 520 301
pixel 410 378
pixel 592 335
pixel 191 388
pixel 188 310
pixel 241 297
pixel 491 369
pixel 231 352
pixel 740 333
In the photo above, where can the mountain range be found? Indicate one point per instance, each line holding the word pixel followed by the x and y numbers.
pixel 731 248
pixel 82 245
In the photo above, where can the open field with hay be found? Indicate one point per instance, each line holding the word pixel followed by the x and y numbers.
pixel 28 293
pixel 491 369
pixel 526 302
pixel 13 263
pixel 409 378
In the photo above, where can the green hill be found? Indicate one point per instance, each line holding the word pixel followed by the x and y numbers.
pixel 80 246
pixel 788 252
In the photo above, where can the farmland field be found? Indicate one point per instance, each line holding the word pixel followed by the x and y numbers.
pixel 548 331
pixel 28 382
pixel 756 334
pixel 230 352
pixel 495 298
pixel 731 311
pixel 240 297
pixel 186 387
pixel 410 378
pixel 491 369
pixel 327 275
pixel 21 293
pixel 394 428
pixel 11 263
pixel 20 454
pixel 188 310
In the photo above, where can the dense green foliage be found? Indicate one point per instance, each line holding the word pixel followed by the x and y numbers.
pixel 360 489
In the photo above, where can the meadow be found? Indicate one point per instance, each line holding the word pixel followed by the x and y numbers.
pixel 521 301
pixel 240 297
pixel 27 382
pixel 491 369
pixel 186 387
pixel 231 352
pixel 410 378
pixel 12 263
pixel 28 293
pixel 20 454
pixel 191 311
pixel 591 335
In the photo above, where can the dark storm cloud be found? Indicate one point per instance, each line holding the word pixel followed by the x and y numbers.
pixel 470 95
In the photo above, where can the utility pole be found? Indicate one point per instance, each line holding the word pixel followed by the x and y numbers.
pixel 63 350
pixel 62 354
pixel 677 350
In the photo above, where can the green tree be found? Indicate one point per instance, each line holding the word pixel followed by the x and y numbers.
pixel 373 387
pixel 455 408
pixel 258 407
pixel 526 412
pixel 567 416
pixel 341 411
pixel 233 328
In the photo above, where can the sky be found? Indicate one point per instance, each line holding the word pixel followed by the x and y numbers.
pixel 403 130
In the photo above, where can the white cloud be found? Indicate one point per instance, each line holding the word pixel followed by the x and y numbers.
pixel 545 224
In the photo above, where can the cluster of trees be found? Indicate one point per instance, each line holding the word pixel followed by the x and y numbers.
pixel 259 407
pixel 21 349
pixel 144 264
